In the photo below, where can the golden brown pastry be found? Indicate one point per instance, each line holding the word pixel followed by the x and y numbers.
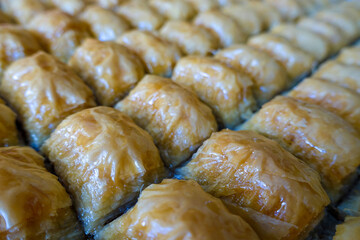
pixel 4 18
pixel 350 56
pixel 104 24
pixel 190 38
pixel 104 160
pixel 269 77
pixel 140 15
pixel 296 61
pixel 110 69
pixel 349 28
pixel 290 10
pixel 248 19
pixel 158 55
pixel 69 6
pixel 225 28
pixel 177 120
pixel 8 131
pixel 330 32
pixel 178 209
pixel 109 3
pixel 22 10
pixel 322 139
pixel 174 9
pixel 15 43
pixel 43 91
pixel 58 32
pixel 204 5
pixel 269 15
pixel 227 91
pixel 344 75
pixel 347 10
pixel 306 40
pixel 276 193
pixel 308 6
pixel 350 229
pixel 341 101
pixel 232 2
pixel 33 203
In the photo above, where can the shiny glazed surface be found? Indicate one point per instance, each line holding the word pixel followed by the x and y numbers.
pixel 104 160
pixel 177 120
pixel 178 209
pixel 8 131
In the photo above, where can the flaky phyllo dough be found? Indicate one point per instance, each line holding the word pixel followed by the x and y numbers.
pixel 279 195
pixel 33 203
pixel 104 160
pixel 8 131
pixel 178 209
pixel 43 91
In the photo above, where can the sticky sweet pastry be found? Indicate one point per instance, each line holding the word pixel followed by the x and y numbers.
pixel 268 76
pixel 225 28
pixel 71 7
pixel 33 203
pixel 276 193
pixel 178 209
pixel 22 10
pixel 349 27
pixel 158 54
pixel 110 69
pixel 290 10
pixel 227 91
pixel 204 5
pixel 306 40
pixel 177 120
pixel 174 9
pixel 43 91
pixel 330 32
pixel 346 10
pixel 247 18
pixel 350 229
pixel 58 32
pixel 296 61
pixel 104 160
pixel 8 130
pixel 350 56
pixel 109 4
pixel 317 136
pixel 15 43
pixel 341 101
pixel 4 18
pixel 104 24
pixel 140 15
pixel 191 39
pixel 269 15
pixel 347 76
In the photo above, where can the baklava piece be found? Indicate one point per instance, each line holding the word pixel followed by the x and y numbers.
pixel 204 5
pixel 178 209
pixel 109 4
pixel 43 91
pixel 140 15
pixel 290 10
pixel 177 120
pixel 104 160
pixel 104 24
pixel 33 203
pixel 190 38
pixel 350 56
pixel 296 61
pixel 8 131
pixel 15 43
pixel 341 101
pixel 268 76
pixel 158 55
pixel 22 10
pixel 110 69
pixel 58 32
pixel 226 29
pixel 174 9
pixel 344 75
pixel 350 229
pixel 72 7
pixel 306 40
pixel 269 16
pixel 319 137
pixel 227 91
pixel 247 18
pixel 276 193
pixel 329 32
